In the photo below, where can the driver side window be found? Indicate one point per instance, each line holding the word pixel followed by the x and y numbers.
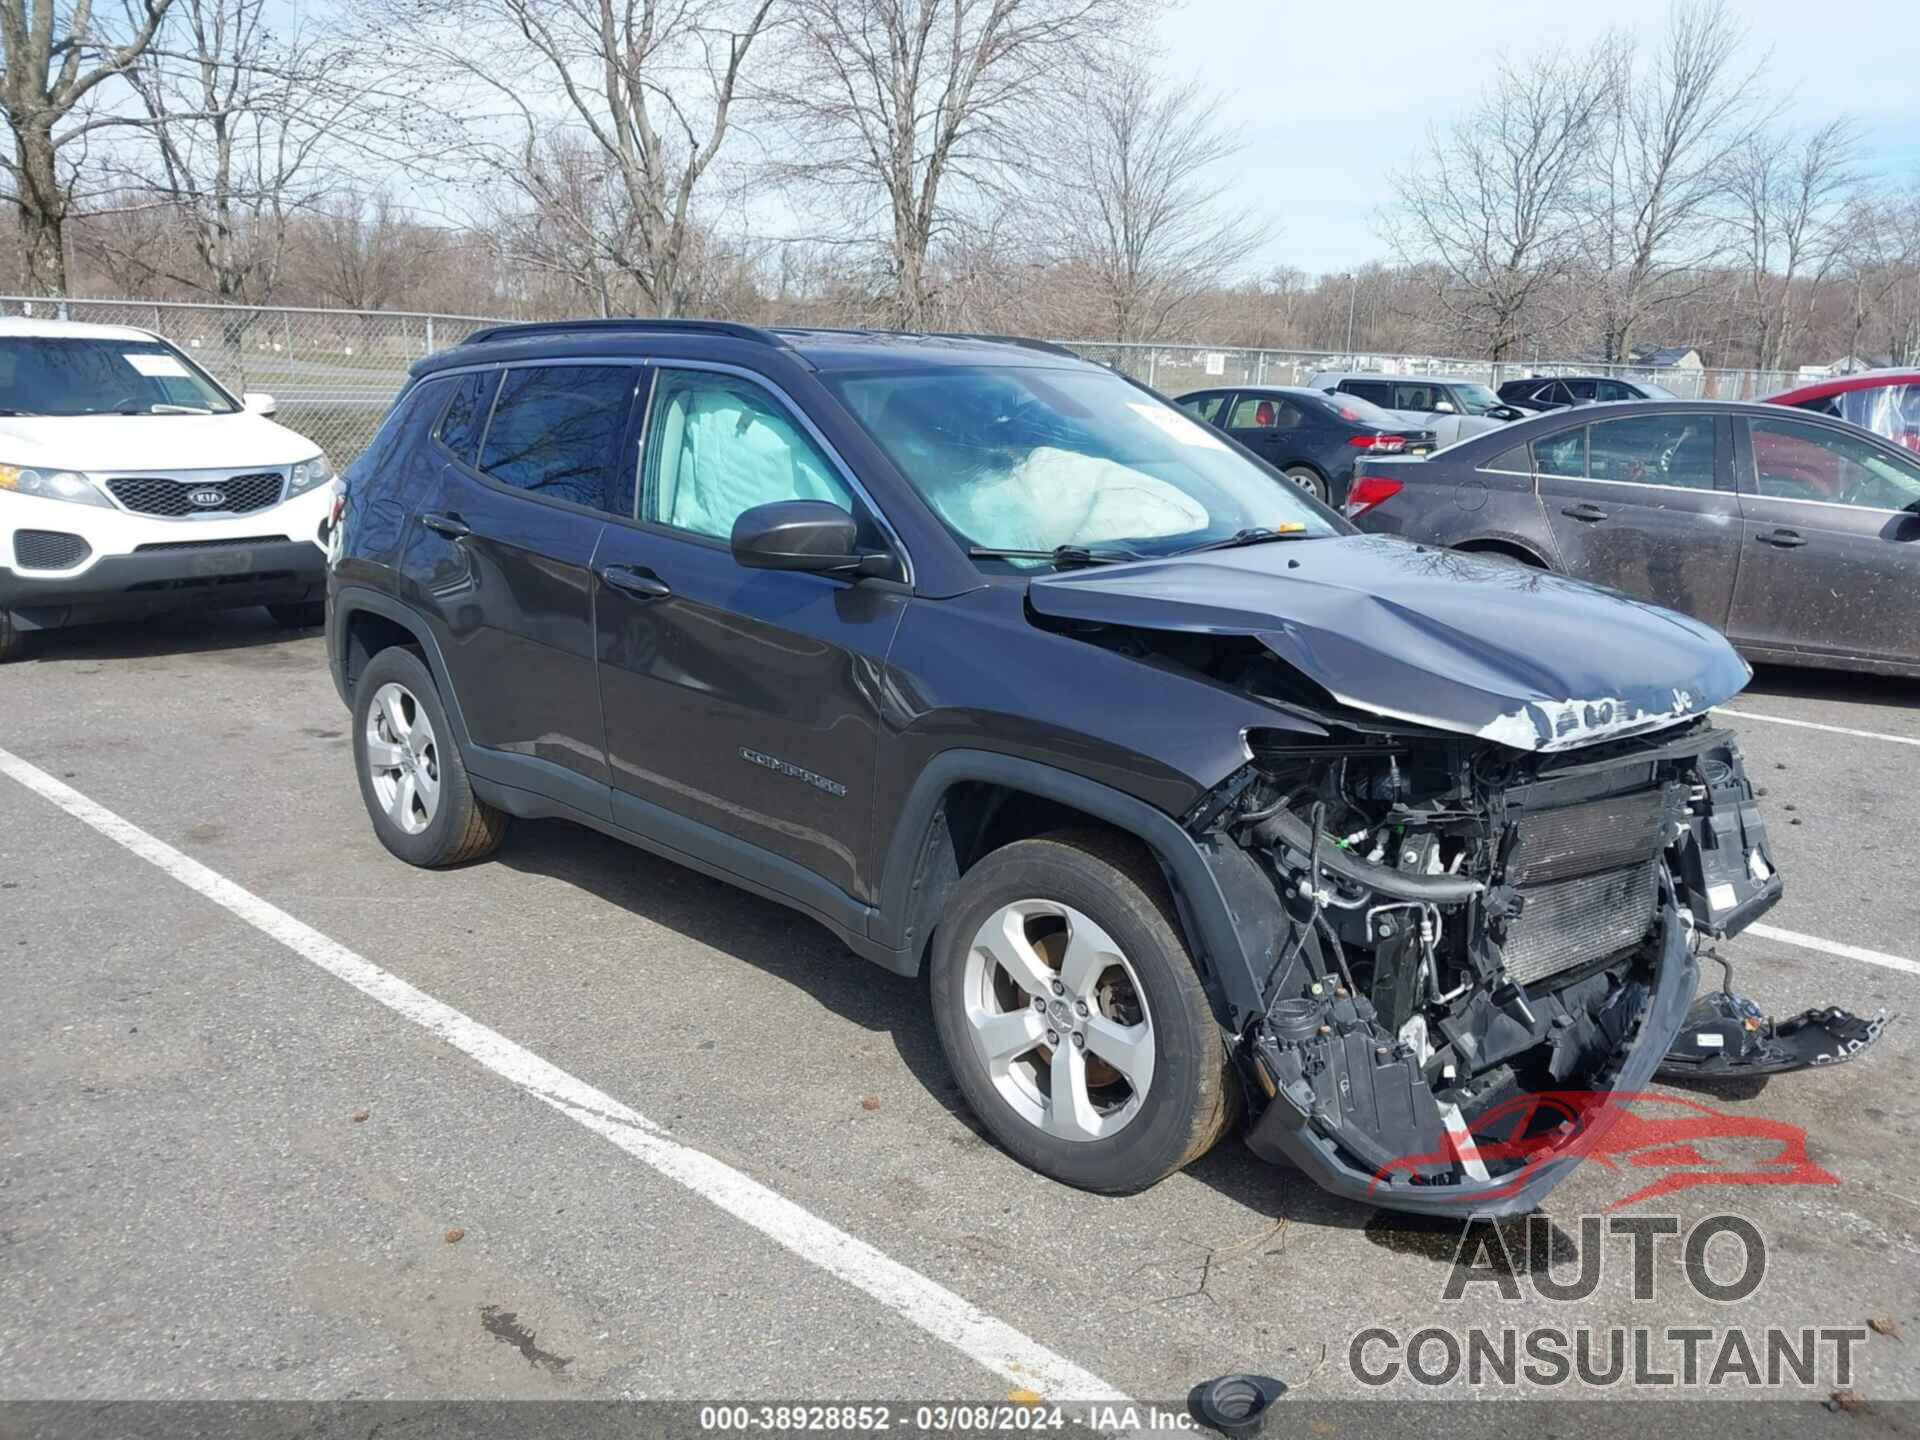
pixel 1792 461
pixel 718 445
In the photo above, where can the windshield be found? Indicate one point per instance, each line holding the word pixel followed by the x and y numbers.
pixel 1033 459
pixel 66 376
pixel 1477 399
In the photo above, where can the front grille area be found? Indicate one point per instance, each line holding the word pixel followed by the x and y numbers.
pixel 1570 922
pixel 174 499
pixel 48 549
pixel 228 544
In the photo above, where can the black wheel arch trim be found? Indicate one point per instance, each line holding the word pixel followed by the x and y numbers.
pixel 1225 920
pixel 351 600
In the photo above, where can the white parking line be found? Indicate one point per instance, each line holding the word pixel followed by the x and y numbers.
pixel 1024 1362
pixel 1834 947
pixel 1813 725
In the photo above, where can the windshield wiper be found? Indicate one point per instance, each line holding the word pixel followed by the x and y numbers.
pixel 1063 556
pixel 179 410
pixel 1258 535
pixel 22 414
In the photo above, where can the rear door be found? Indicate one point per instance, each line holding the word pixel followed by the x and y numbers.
pixel 742 706
pixel 504 556
pixel 1646 504
pixel 1831 535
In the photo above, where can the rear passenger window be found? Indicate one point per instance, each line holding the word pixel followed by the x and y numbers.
pixel 556 432
pixel 1514 461
pixel 1564 454
pixel 1376 391
pixel 466 414
pixel 718 445
pixel 1675 451
pixel 1203 407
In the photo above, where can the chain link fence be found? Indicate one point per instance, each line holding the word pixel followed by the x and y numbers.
pixel 334 372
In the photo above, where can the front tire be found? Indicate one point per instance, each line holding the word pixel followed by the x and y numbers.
pixel 412 778
pixel 1308 480
pixel 1073 1018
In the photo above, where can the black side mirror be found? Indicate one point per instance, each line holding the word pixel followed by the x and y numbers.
pixel 809 535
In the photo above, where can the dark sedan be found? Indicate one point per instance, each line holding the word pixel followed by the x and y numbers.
pixel 1313 438
pixel 1540 393
pixel 1797 534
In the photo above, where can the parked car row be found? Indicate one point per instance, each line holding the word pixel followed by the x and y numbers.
pixel 1194 803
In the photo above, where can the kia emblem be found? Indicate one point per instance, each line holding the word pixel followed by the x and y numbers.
pixel 207 497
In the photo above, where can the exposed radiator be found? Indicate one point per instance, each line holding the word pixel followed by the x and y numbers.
pixel 1588 874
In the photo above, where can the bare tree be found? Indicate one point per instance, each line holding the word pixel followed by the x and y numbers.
pixel 901 107
pixel 247 127
pixel 1138 204
pixel 1677 121
pixel 57 54
pixel 1493 200
pixel 647 87
pixel 1790 197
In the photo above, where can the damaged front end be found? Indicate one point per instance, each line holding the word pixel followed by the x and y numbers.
pixel 1461 924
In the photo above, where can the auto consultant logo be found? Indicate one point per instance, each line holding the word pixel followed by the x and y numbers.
pixel 1659 1144
pixel 1723 1259
pixel 207 497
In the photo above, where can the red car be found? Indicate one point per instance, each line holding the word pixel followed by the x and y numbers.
pixel 1886 402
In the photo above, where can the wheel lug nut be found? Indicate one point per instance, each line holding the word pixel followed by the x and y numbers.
pixel 1081 1007
pixel 1039 1004
pixel 1079 1041
pixel 1058 988
pixel 1053 1037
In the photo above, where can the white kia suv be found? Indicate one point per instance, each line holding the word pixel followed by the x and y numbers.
pixel 132 482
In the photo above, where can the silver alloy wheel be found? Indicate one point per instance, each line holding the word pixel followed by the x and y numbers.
pixel 1306 480
pixel 403 758
pixel 1059 1019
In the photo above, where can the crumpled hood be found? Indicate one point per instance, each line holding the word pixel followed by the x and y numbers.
pixel 149 442
pixel 1480 647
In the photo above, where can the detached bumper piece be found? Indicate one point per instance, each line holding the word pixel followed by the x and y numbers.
pixel 1726 1036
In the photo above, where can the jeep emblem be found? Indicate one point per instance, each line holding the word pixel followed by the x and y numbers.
pixel 207 497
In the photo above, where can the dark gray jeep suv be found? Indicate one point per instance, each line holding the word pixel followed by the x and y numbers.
pixel 1191 799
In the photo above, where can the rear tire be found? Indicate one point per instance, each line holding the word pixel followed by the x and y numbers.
pixel 307 615
pixel 412 778
pixel 1080 916
pixel 1309 481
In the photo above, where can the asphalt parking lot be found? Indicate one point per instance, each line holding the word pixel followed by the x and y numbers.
pixel 230 1173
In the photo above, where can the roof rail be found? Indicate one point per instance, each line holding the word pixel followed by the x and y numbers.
pixel 1044 345
pixel 641 326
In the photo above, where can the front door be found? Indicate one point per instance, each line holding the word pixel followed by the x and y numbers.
pixel 743 701
pixel 503 566
pixel 1645 503
pixel 1831 528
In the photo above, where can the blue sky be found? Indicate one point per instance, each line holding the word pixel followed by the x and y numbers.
pixel 1329 103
